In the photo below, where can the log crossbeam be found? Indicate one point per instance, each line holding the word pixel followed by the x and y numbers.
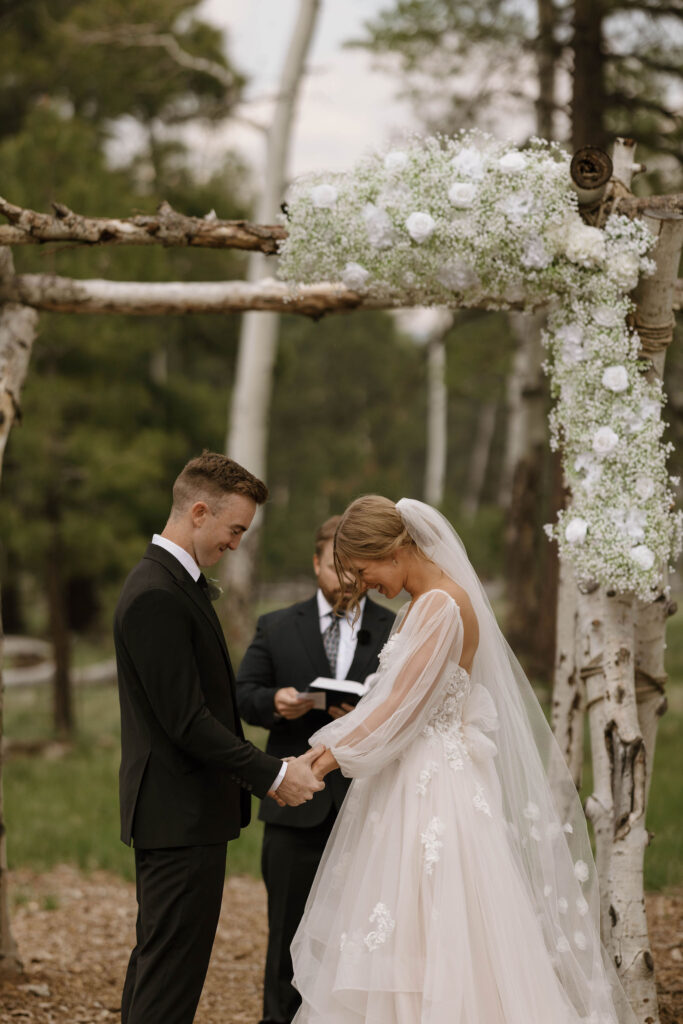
pixel 166 228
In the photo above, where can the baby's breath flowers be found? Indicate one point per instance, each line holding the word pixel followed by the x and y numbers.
pixel 470 221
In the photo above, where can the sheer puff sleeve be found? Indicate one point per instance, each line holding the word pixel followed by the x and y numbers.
pixel 412 678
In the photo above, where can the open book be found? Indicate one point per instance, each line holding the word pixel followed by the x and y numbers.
pixel 333 692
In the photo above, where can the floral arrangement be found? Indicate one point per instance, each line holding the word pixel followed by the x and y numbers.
pixel 470 221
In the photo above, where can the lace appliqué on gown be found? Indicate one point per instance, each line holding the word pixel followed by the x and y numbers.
pixel 432 844
pixel 385 925
pixel 445 722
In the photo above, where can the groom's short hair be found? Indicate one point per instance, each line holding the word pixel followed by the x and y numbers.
pixel 210 477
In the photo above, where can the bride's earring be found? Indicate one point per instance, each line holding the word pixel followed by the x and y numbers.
pixel 394 562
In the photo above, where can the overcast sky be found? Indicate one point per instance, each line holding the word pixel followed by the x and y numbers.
pixel 345 107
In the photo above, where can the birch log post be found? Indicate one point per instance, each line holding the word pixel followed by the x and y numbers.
pixel 17 333
pixel 621 760
pixel 247 439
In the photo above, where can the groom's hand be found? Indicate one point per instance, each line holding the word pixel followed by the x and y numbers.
pixel 299 783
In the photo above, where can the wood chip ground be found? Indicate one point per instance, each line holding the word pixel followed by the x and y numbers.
pixel 75 932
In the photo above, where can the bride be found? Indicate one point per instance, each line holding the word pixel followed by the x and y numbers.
pixel 452 890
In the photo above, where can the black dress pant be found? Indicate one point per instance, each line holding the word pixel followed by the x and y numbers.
pixel 289 861
pixel 179 893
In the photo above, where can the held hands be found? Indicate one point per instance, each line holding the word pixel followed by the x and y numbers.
pixel 288 704
pixel 299 783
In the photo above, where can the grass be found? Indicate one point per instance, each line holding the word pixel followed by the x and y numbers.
pixel 62 806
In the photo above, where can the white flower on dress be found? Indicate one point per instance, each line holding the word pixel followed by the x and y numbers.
pixel 378 226
pixel 585 245
pixel 512 163
pixel 535 834
pixel 324 197
pixel 562 946
pixel 580 940
pixel 615 378
pixel 547 890
pixel 576 530
pixel 420 226
pixel 582 906
pixel 355 276
pixel 531 812
pixel 562 905
pixel 581 871
pixel 643 556
pixel 469 163
pixel 432 844
pixel 425 777
pixel 567 828
pixel 381 917
pixel 480 802
pixel 395 160
pixel 462 193
pixel 605 440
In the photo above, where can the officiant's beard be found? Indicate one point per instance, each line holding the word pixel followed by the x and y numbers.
pixel 337 598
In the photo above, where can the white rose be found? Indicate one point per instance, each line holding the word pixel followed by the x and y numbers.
pixel 469 163
pixel 535 255
pixel 645 487
pixel 581 871
pixel 420 226
pixel 635 523
pixel 585 245
pixel 570 337
pixel 624 269
pixel 604 440
pixel 580 940
pixel 642 556
pixel 324 196
pixel 606 316
pixel 650 409
pixel 615 378
pixel 395 160
pixel 457 277
pixel 355 276
pixel 518 206
pixel 512 163
pixel 379 227
pixel 576 530
pixel 462 193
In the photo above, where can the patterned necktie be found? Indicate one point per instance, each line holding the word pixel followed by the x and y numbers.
pixel 331 643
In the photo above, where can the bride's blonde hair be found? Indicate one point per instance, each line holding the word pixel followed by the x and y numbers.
pixel 370 529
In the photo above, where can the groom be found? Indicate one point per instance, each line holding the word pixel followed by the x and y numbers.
pixel 187 773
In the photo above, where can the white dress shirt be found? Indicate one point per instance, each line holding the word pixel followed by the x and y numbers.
pixel 348 633
pixel 188 562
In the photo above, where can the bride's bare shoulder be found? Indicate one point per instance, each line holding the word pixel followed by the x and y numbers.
pixel 462 599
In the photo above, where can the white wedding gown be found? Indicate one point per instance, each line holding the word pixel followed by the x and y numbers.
pixel 419 913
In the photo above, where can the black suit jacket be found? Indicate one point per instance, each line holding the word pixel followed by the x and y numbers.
pixel 287 650
pixel 186 770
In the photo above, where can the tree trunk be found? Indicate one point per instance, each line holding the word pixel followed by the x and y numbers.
pixel 569 690
pixel 437 414
pixel 588 85
pixel 530 564
pixel 17 333
pixel 63 717
pixel 479 459
pixel 547 53
pixel 247 439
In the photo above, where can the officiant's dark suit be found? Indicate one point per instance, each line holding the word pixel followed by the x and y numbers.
pixel 287 651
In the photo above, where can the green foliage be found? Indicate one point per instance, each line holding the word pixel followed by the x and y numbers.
pixel 51 49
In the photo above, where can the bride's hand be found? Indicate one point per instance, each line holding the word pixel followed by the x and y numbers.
pixel 323 764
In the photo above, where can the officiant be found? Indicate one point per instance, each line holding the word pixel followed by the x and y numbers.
pixel 291 648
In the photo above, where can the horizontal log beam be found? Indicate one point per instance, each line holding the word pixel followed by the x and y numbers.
pixel 165 227
pixel 67 295
pixel 168 228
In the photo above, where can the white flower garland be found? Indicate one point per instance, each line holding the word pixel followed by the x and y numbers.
pixel 472 221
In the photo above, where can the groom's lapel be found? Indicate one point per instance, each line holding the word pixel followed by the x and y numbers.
pixel 183 579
